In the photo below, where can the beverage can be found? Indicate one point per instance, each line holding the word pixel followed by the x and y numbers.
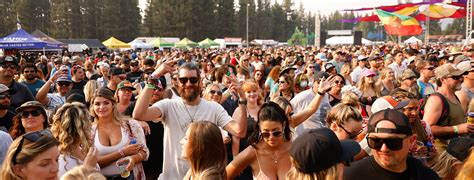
pixel 470 117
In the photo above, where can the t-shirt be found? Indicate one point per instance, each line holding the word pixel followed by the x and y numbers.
pixel 5 141
pixel 21 96
pixel 301 101
pixel 34 87
pixel 54 100
pixel 176 116
pixel 6 122
pixel 368 168
pixel 79 85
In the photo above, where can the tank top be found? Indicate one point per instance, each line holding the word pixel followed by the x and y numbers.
pixel 260 175
pixel 111 169
pixel 455 117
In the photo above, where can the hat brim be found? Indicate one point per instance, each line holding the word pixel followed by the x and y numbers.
pixel 402 104
pixel 21 108
pixel 350 148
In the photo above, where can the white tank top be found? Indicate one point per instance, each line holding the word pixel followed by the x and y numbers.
pixel 111 169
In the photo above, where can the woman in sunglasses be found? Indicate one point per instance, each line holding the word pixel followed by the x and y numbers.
pixel 345 121
pixel 213 92
pixel 268 154
pixel 335 95
pixel 31 116
pixel 33 155
pixel 71 127
pixel 204 150
pixel 116 137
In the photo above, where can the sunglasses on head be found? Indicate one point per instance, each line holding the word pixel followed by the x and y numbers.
pixel 184 80
pixel 64 83
pixel 394 144
pixel 4 96
pixel 273 133
pixel 215 92
pixel 34 113
pixel 32 137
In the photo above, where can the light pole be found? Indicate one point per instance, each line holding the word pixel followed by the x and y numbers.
pixel 247 36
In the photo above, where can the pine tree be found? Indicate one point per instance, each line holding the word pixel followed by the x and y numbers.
pixel 8 19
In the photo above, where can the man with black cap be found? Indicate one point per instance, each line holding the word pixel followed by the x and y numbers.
pixel 6 115
pixel 117 75
pixel 8 68
pixel 135 72
pixel 302 100
pixel 53 100
pixel 389 135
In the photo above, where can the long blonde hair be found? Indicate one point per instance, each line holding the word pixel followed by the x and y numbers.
pixel 83 172
pixel 444 163
pixel 71 127
pixel 89 89
pixel 29 151
pixel 118 118
pixel 467 170
pixel 327 174
pixel 363 86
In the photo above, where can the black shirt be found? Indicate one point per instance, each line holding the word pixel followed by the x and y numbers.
pixel 368 168
pixel 134 76
pixel 21 96
pixel 79 85
pixel 6 122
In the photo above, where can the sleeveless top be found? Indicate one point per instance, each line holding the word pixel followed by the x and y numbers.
pixel 455 117
pixel 260 175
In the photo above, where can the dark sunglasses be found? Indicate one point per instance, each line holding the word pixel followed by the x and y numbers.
pixel 214 92
pixel 394 144
pixel 193 80
pixel 282 82
pixel 133 65
pixel 56 63
pixel 35 113
pixel 32 137
pixel 352 135
pixel 64 83
pixel 4 96
pixel 339 82
pixel 274 134
pixel 312 67
pixel 455 77
pixel 8 65
pixel 430 68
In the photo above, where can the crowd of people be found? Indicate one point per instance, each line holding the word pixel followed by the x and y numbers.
pixel 336 112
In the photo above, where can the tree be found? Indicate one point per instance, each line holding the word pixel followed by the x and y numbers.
pixel 298 38
pixel 8 17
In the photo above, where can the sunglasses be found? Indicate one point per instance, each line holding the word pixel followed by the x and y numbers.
pixel 193 80
pixel 274 134
pixel 56 63
pixel 26 114
pixel 29 71
pixel 64 83
pixel 430 68
pixel 4 96
pixel 394 144
pixel 214 92
pixel 455 77
pixel 8 65
pixel 133 65
pixel 312 67
pixel 32 137
pixel 352 135
pixel 339 82
pixel 282 82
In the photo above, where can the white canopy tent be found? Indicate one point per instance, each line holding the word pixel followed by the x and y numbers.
pixel 139 44
pixel 345 40
pixel 412 40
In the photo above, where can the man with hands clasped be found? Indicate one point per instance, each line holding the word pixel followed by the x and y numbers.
pixel 177 114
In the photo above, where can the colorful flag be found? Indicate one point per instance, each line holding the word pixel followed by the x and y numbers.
pixel 398 24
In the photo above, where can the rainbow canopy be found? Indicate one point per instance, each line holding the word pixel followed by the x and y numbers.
pixel 397 24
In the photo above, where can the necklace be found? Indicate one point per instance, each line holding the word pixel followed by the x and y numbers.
pixel 275 160
pixel 185 125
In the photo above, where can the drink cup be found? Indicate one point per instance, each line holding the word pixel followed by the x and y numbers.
pixel 470 117
pixel 122 165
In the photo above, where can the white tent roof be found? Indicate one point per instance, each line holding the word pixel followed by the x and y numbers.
pixel 345 40
pixel 412 39
pixel 139 44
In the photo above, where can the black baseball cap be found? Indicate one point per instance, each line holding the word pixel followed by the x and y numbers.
pixel 459 147
pixel 319 149
pixel 116 71
pixel 6 59
pixel 402 123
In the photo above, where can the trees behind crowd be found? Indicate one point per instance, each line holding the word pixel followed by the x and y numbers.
pixel 195 19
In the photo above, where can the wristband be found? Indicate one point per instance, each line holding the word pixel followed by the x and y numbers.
pixel 321 93
pixel 140 154
pixel 456 130
pixel 121 152
pixel 243 102
pixel 150 86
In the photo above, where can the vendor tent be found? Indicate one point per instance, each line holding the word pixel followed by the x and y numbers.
pixel 336 40
pixel 160 42
pixel 139 44
pixel 22 40
pixel 208 43
pixel 42 36
pixel 413 40
pixel 114 43
pixel 185 43
pixel 90 43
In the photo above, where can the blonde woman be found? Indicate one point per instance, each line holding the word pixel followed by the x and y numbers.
pixel 346 70
pixel 89 89
pixel 213 92
pixel 116 137
pixel 368 87
pixel 71 127
pixel 387 81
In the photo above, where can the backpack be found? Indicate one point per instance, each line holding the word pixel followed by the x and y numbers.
pixel 445 106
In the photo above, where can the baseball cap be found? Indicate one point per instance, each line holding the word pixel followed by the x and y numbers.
pixel 321 75
pixel 30 104
pixel 461 58
pixel 63 79
pixel 125 84
pixel 322 57
pixel 286 69
pixel 455 51
pixel 362 58
pixel 4 88
pixel 328 66
pixel 446 70
pixel 319 149
pixel 116 71
pixel 368 72
pixel 465 65
pixel 407 74
pixel 402 123
pixel 6 59
pixel 459 147
pixel 411 59
pixel 388 102
pixel 373 58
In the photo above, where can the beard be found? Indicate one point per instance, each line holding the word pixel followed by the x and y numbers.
pixel 189 96
pixel 30 77
pixel 4 106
